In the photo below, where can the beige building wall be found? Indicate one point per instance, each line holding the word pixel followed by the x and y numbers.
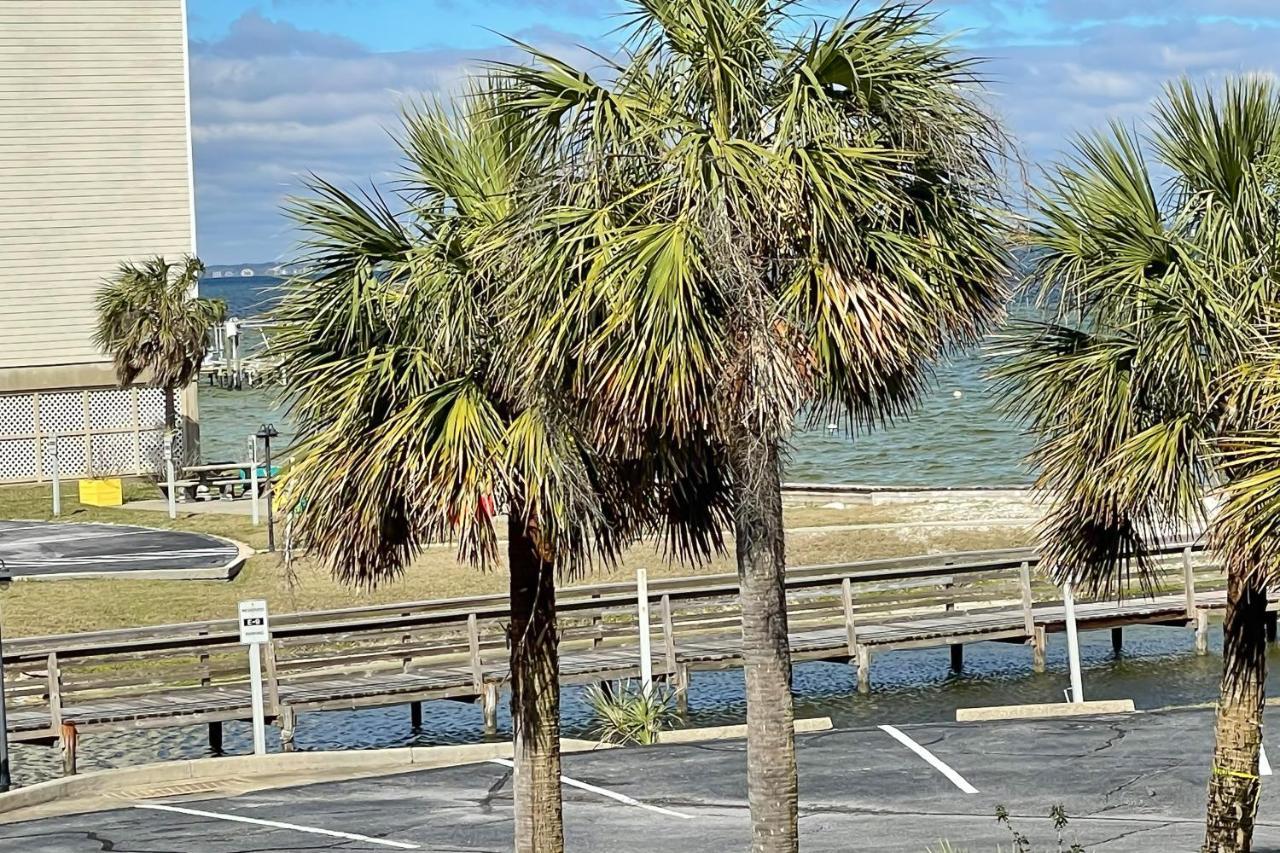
pixel 95 168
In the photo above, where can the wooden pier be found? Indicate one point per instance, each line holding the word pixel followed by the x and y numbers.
pixel 179 675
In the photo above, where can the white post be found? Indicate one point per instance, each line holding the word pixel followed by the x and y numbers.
pixel 254 631
pixel 1073 645
pixel 642 605
pixel 57 476
pixel 253 478
pixel 171 475
pixel 255 688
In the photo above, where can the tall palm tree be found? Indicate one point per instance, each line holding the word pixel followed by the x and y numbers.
pixel 411 417
pixel 751 218
pixel 1158 300
pixel 155 326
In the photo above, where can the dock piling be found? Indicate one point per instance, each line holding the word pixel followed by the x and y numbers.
pixel 288 728
pixel 1202 632
pixel 69 743
pixel 1039 648
pixel 864 668
pixel 215 738
pixel 489 701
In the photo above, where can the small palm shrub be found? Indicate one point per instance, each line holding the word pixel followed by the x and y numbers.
pixel 627 713
pixel 1021 842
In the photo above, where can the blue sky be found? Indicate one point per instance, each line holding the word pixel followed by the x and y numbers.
pixel 281 88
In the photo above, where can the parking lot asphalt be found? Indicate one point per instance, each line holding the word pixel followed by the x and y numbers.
pixel 1128 784
pixel 57 549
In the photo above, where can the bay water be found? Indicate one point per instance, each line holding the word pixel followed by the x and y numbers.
pixel 956 437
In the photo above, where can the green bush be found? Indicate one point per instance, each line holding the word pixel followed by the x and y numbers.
pixel 628 713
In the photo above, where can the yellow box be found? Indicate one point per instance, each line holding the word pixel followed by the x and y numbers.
pixel 104 492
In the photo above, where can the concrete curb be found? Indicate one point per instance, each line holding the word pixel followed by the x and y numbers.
pixel 101 789
pixel 226 572
pixel 816 724
pixel 1044 712
pixel 272 770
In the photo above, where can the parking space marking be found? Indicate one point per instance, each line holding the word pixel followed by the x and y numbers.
pixel 1264 766
pixel 935 762
pixel 604 792
pixel 274 824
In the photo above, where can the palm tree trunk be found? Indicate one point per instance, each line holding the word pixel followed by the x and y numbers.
pixel 766 652
pixel 170 410
pixel 535 693
pixel 1234 784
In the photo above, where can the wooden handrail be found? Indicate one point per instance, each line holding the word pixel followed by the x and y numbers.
pixel 224 632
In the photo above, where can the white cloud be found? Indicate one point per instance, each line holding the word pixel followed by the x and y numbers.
pixel 272 102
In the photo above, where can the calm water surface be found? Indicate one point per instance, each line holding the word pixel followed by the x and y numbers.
pixel 1157 669
pixel 955 438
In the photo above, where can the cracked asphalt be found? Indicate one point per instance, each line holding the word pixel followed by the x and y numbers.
pixel 1129 784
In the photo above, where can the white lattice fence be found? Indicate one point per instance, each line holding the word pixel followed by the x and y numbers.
pixel 96 431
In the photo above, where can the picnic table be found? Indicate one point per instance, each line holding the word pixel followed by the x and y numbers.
pixel 227 480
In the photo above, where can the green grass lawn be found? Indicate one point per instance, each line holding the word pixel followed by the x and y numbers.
pixel 49 607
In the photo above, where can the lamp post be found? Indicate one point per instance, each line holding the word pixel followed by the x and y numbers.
pixel 5 779
pixel 267 432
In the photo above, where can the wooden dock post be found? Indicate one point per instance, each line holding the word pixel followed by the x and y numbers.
pixel 850 628
pixel 1028 613
pixel 863 655
pixel 957 657
pixel 1189 583
pixel 1117 641
pixel 1039 648
pixel 597 627
pixel 683 678
pixel 68 743
pixel 1271 626
pixel 1202 632
pixel 215 738
pixel 489 701
pixel 477 669
pixel 669 637
pixel 288 728
pixel 415 715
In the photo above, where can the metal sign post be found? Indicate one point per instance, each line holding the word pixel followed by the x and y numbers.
pixel 1073 645
pixel 5 777
pixel 266 433
pixel 253 479
pixel 254 631
pixel 171 475
pixel 57 475
pixel 642 605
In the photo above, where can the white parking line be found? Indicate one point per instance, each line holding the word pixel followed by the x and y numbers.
pixel 1264 766
pixel 937 763
pixel 273 824
pixel 79 536
pixel 603 792
pixel 119 558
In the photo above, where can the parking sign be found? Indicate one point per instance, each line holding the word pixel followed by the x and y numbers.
pixel 253 622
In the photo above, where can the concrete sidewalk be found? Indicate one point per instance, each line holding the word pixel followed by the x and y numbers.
pixel 241 506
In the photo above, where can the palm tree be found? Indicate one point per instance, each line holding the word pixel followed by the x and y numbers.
pixel 752 218
pixel 155 327
pixel 411 418
pixel 1134 387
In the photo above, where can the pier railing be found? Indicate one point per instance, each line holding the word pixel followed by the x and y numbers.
pixel 196 673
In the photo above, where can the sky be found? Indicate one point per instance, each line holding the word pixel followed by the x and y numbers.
pixel 285 88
